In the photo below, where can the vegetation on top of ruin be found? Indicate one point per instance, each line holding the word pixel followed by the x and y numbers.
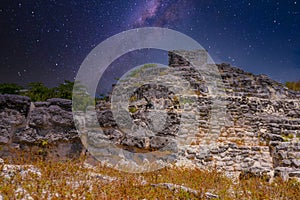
pixel 293 85
pixel 136 72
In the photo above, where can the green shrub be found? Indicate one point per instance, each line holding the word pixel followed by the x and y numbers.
pixel 293 85
pixel 10 88
pixel 132 109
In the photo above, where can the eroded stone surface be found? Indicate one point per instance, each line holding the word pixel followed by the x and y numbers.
pixel 260 134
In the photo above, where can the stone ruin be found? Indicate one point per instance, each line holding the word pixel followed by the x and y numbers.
pixel 257 133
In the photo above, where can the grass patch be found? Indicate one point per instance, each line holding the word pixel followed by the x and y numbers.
pixel 132 109
pixel 72 180
pixel 136 73
pixel 288 137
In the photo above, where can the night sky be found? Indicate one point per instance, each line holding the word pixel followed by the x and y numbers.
pixel 47 40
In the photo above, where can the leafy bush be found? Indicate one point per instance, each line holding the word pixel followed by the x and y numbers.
pixel 64 90
pixel 10 88
pixel 37 91
pixel 293 85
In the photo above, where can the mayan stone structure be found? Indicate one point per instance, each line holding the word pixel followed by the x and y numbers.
pixel 261 132
pixel 228 119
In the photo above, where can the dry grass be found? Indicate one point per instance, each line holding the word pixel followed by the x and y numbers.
pixel 73 180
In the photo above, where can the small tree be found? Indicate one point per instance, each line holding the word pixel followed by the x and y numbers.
pixel 38 92
pixel 64 90
pixel 81 98
pixel 10 88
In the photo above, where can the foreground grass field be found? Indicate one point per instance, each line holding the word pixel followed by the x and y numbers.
pixel 47 179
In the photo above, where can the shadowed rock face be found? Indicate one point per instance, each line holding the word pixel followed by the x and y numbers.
pixel 14 112
pixel 26 124
pixel 260 135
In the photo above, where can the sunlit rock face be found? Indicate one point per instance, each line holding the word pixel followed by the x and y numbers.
pixel 258 134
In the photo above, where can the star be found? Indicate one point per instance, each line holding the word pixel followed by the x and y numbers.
pixel 56 36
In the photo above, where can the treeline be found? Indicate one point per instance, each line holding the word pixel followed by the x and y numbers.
pixel 293 85
pixel 37 91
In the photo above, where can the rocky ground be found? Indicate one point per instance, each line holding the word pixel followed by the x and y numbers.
pixel 49 179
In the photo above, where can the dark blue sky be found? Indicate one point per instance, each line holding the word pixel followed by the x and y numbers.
pixel 47 40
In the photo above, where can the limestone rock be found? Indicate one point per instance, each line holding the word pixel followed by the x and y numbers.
pixel 259 133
